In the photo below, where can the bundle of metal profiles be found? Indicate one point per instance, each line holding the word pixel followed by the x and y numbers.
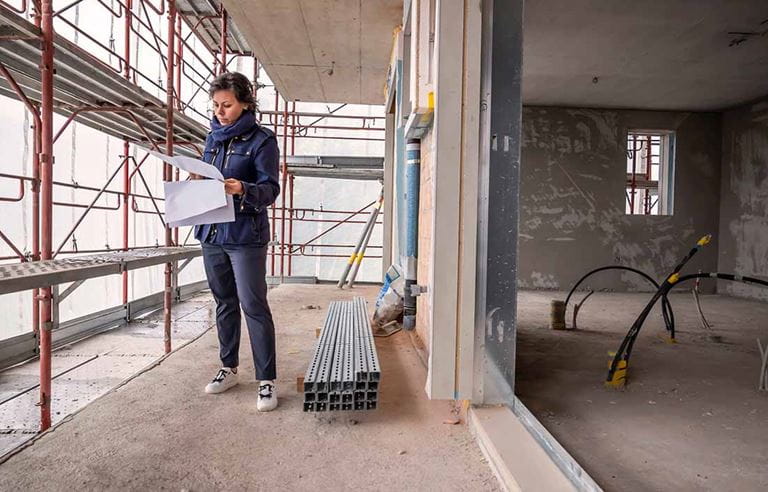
pixel 344 373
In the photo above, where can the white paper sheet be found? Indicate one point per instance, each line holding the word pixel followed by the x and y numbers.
pixel 199 201
pixel 184 199
pixel 190 165
pixel 217 216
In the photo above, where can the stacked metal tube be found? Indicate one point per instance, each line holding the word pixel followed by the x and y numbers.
pixel 344 372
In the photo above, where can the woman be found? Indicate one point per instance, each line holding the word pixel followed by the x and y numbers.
pixel 235 253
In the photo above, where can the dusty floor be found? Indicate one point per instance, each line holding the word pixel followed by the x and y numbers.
pixel 86 370
pixel 161 431
pixel 690 418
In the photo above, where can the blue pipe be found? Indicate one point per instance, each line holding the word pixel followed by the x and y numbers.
pixel 412 175
pixel 413 165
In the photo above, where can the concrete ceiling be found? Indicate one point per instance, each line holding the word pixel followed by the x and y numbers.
pixel 652 54
pixel 322 50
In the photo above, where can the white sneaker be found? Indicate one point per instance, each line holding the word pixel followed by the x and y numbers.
pixel 267 396
pixel 224 380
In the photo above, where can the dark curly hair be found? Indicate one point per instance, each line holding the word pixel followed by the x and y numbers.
pixel 237 83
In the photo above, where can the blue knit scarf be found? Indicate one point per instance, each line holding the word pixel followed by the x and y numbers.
pixel 222 133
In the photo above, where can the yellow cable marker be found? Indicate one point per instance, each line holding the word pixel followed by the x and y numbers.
pixel 705 240
pixel 619 375
pixel 673 278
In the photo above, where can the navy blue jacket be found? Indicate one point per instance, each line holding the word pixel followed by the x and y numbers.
pixel 253 158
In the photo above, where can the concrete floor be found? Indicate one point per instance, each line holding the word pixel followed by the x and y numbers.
pixel 690 418
pixel 161 431
pixel 86 370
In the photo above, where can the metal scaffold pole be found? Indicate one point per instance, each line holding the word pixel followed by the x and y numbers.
pixel 167 172
pixel 274 214
pixel 223 48
pixel 126 143
pixel 283 187
pixel 46 175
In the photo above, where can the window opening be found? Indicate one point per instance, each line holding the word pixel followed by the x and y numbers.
pixel 650 164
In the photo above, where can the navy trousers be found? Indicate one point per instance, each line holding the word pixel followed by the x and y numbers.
pixel 237 277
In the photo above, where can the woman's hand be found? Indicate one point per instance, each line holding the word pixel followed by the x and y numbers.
pixel 233 186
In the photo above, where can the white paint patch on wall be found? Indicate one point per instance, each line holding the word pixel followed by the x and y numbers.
pixel 544 281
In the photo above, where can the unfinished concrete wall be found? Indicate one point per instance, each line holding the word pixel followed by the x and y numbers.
pixel 744 198
pixel 572 202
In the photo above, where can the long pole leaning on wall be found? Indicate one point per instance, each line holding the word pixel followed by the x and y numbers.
pixel 366 238
pixel 358 246
pixel 167 172
pixel 46 175
pixel 412 172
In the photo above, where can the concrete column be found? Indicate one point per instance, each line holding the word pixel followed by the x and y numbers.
pixel 454 161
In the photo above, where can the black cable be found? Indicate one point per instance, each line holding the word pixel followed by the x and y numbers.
pixel 629 340
pixel 625 349
pixel 723 276
pixel 666 307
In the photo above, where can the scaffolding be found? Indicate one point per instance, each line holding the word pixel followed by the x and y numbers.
pixel 105 89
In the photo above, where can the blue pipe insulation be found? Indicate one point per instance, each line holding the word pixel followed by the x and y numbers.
pixel 413 164
pixel 412 175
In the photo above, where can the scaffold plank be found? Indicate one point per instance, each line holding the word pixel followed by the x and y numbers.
pixel 30 275
pixel 83 81
pixel 209 28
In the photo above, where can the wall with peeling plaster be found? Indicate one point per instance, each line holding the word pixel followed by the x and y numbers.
pixel 572 198
pixel 744 198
